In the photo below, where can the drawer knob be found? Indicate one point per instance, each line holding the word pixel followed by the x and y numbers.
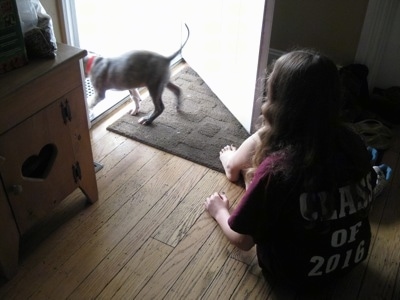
pixel 16 189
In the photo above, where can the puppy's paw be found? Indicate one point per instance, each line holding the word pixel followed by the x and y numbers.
pixel 91 101
pixel 91 114
pixel 133 112
pixel 145 121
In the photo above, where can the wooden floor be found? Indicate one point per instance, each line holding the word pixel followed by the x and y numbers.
pixel 148 237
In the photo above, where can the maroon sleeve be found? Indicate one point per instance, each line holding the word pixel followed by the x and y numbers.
pixel 244 219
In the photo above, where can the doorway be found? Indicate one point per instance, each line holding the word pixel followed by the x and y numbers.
pixel 228 45
pixel 229 49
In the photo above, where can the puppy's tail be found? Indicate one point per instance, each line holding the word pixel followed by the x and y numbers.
pixel 183 45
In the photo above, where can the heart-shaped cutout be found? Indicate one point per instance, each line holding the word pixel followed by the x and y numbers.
pixel 39 166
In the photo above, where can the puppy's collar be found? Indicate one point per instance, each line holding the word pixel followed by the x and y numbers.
pixel 89 64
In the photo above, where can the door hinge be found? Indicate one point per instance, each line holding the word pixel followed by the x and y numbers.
pixel 76 172
pixel 66 111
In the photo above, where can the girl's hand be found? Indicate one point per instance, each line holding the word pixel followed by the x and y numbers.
pixel 216 204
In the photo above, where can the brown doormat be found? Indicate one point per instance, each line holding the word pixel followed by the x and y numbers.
pixel 197 132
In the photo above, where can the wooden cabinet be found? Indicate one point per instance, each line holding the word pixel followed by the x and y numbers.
pixel 45 149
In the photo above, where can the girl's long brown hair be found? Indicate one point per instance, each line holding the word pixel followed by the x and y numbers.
pixel 301 112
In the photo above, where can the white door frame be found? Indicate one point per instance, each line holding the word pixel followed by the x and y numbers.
pixel 262 61
pixel 69 18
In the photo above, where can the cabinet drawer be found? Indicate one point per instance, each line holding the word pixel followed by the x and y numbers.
pixel 38 93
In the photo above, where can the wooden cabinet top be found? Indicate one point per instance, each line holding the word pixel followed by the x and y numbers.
pixel 15 79
pixel 27 90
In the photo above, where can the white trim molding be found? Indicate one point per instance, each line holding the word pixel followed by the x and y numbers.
pixel 375 36
pixel 71 28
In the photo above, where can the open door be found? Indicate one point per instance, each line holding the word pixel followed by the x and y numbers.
pixel 228 48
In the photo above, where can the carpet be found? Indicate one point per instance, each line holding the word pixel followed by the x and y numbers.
pixel 196 133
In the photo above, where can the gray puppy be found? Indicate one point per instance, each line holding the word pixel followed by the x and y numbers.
pixel 130 71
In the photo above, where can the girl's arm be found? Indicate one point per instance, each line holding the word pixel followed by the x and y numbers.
pixel 218 207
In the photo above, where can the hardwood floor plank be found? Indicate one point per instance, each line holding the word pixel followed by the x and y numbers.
pixel 383 267
pixel 179 259
pixel 134 275
pixel 252 287
pixel 102 148
pixel 396 290
pixel 173 229
pixel 135 167
pixel 142 230
pixel 27 264
pixel 201 267
pixel 83 227
pixel 135 205
pixel 33 256
pixel 226 281
pixel 246 257
pixel 203 264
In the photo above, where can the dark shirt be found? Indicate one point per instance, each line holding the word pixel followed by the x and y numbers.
pixel 308 237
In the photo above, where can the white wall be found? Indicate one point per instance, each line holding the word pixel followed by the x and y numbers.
pixel 389 70
pixel 379 43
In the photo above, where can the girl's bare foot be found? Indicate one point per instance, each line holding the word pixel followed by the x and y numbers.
pixel 225 155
